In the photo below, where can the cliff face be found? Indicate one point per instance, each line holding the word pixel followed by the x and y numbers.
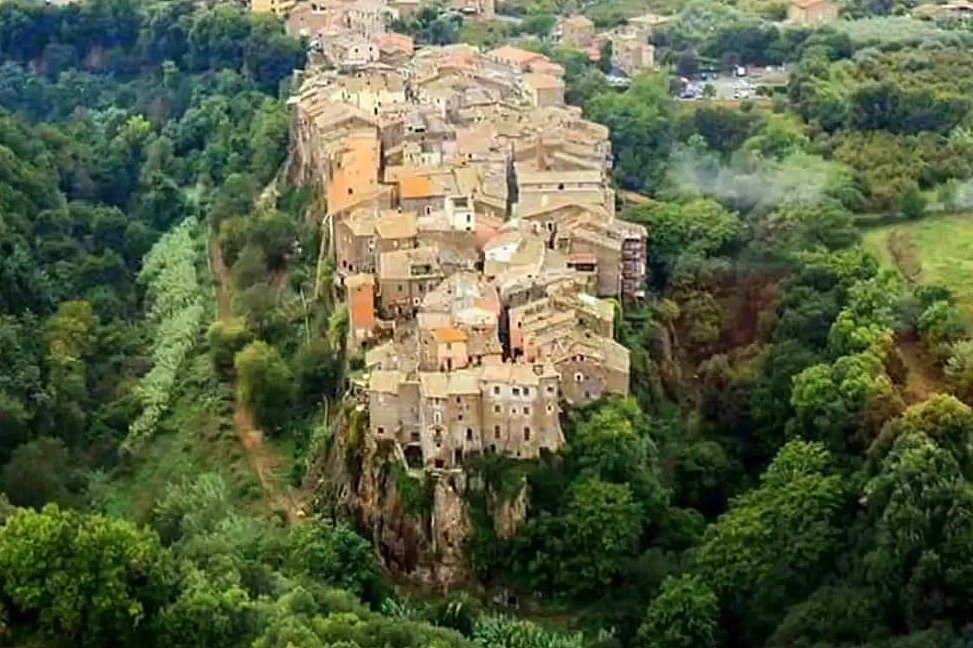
pixel 418 522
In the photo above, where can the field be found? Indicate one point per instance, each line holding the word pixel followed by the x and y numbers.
pixel 933 250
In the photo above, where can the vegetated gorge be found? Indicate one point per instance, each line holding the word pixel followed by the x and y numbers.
pixel 221 425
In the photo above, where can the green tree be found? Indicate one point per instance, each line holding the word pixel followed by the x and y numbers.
pixel 39 471
pixel 959 368
pixel 264 382
pixel 338 556
pixel 88 580
pixel 605 55
pixel 799 505
pixel 640 121
pixel 697 228
pixel 685 614
pixel 581 550
pixel 912 204
pixel 225 340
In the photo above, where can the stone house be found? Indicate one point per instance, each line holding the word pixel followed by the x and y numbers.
pixel 539 189
pixel 439 418
pixel 616 248
pixel 591 367
pixel 812 12
pixel 575 31
pixel 396 230
pixel 404 278
pixel 544 89
pixel 354 242
pixel 631 53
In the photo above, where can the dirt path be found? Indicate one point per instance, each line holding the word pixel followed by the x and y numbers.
pixel 262 459
pixel 924 377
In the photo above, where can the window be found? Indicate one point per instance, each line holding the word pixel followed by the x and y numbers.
pixel 459 417
pixel 587 395
pixel 560 186
pixel 469 434
pixel 527 411
pixel 515 391
pixel 381 430
pixel 496 409
pixel 437 417
pixel 550 389
pixel 458 400
pixel 415 436
pixel 526 391
pixel 496 391
pixel 526 434
pixel 550 408
pixel 439 463
pixel 578 377
pixel 496 431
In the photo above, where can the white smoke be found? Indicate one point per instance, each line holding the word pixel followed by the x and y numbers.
pixel 752 183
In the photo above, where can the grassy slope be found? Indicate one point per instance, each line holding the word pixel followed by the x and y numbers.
pixel 944 247
pixel 196 437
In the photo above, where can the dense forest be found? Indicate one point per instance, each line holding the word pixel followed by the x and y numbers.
pixel 792 468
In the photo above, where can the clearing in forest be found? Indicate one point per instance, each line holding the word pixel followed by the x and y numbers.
pixel 932 250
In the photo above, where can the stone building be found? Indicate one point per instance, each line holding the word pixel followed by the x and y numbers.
pixel 812 12
pixel 404 278
pixel 439 418
pixel 575 31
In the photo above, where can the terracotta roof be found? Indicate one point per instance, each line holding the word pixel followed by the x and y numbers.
pixel 450 334
pixel 418 186
pixel 515 54
pixel 393 40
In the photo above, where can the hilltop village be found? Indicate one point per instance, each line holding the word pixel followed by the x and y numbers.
pixel 471 221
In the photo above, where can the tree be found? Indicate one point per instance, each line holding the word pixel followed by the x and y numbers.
pixel 338 556
pixel 87 579
pixel 685 614
pixel 799 504
pixel 640 123
pixel 581 550
pixel 539 24
pixel 39 472
pixel 921 506
pixel 264 382
pixel 605 55
pixel 912 204
pixel 225 340
pixel 845 403
pixel 612 444
pixel 250 267
pixel 700 227
pixel 271 56
pixel 687 64
pixel 959 369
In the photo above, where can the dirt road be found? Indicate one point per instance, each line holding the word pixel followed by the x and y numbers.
pixel 262 459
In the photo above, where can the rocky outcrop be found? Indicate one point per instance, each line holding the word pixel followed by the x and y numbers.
pixel 418 522
pixel 451 529
pixel 509 514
